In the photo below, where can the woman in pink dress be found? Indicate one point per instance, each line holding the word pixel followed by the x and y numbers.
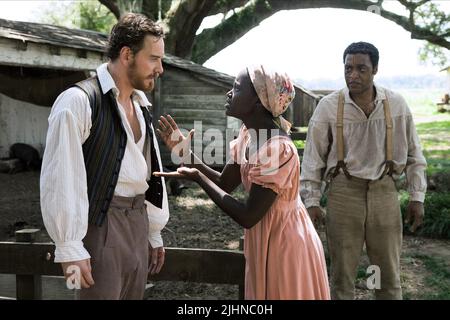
pixel 284 255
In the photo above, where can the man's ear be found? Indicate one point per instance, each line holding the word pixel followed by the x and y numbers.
pixel 126 55
pixel 375 70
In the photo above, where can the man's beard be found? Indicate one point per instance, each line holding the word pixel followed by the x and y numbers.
pixel 137 82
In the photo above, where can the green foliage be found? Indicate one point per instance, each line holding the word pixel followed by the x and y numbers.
pixel 436 222
pixel 439 279
pixel 94 16
pixel 435 137
pixel 361 272
pixel 89 15
pixel 434 54
pixel 299 144
pixel 430 16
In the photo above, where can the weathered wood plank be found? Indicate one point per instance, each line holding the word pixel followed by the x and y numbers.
pixel 195 107
pixel 203 114
pixel 188 121
pixel 202 265
pixel 182 264
pixel 39 56
pixel 184 77
pixel 26 235
pixel 28 287
pixel 193 99
pixel 192 89
pixel 26 259
pixel 188 125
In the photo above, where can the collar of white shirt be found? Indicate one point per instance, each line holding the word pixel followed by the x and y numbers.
pixel 107 83
pixel 381 95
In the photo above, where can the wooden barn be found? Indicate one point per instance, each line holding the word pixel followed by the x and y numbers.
pixel 38 61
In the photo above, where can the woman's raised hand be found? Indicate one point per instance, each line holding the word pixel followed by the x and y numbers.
pixel 173 138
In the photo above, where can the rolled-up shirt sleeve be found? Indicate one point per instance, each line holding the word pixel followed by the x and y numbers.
pixel 64 198
pixel 415 165
pixel 314 162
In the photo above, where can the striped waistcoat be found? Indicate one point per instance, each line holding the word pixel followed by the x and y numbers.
pixel 104 149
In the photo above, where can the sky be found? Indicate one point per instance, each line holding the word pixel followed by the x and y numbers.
pixel 308 43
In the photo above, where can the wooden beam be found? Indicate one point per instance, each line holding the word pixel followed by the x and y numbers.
pixel 26 235
pixel 202 265
pixel 182 264
pixel 28 287
pixel 81 53
pixel 40 56
pixel 21 45
pixel 55 51
pixel 28 259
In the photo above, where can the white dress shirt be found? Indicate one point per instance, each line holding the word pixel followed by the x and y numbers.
pixel 364 144
pixel 64 197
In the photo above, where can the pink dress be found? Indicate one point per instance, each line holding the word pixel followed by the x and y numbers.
pixel 283 252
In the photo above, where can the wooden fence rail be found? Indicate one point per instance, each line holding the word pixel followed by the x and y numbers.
pixel 29 261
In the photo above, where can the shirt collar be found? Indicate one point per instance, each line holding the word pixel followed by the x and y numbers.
pixel 381 94
pixel 107 83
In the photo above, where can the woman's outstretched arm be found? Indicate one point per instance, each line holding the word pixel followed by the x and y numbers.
pixel 230 177
pixel 245 214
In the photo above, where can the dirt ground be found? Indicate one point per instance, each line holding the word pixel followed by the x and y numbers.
pixel 195 222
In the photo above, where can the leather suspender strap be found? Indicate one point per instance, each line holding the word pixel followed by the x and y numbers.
pixel 340 137
pixel 340 127
pixel 389 168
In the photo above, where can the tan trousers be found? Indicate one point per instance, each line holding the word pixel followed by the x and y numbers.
pixel 119 252
pixel 361 211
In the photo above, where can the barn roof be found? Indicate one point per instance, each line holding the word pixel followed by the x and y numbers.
pixel 54 35
pixel 97 42
pixel 91 41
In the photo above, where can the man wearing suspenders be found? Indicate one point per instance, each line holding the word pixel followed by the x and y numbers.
pixel 360 139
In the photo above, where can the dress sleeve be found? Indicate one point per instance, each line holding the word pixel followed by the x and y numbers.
pixel 275 165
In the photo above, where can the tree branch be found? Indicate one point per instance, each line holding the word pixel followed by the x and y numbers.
pixel 112 6
pixel 183 21
pixel 213 40
pixel 151 8
pixel 226 5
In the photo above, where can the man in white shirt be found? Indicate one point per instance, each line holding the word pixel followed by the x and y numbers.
pixel 360 139
pixel 99 201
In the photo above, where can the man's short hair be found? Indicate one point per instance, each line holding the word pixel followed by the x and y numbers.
pixel 364 48
pixel 130 31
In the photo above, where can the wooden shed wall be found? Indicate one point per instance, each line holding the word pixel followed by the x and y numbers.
pixel 303 108
pixel 189 97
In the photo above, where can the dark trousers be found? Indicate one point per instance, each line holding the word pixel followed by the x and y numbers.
pixel 119 252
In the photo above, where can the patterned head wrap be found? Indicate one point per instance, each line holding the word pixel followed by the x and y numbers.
pixel 275 90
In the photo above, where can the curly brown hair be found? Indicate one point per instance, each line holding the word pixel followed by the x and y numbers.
pixel 130 31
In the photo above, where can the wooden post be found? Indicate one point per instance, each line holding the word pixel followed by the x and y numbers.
pixel 28 286
pixel 241 287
